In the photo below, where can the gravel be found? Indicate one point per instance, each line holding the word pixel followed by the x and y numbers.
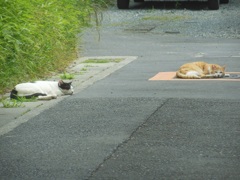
pixel 183 19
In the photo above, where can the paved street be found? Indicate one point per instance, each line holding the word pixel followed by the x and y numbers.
pixel 127 127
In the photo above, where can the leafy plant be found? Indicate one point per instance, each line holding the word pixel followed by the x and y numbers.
pixel 67 76
pixel 13 103
pixel 178 5
pixel 23 99
pixel 38 37
pixel 84 69
pixel 103 60
pixel 166 18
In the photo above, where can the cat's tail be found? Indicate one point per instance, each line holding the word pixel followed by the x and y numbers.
pixel 14 95
pixel 184 76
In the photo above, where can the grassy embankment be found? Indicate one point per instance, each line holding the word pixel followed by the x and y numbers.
pixel 40 37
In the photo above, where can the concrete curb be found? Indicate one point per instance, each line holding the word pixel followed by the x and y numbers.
pixel 10 118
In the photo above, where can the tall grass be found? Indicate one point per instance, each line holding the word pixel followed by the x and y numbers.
pixel 39 37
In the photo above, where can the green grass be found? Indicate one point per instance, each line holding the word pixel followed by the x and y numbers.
pixel 40 37
pixel 67 76
pixel 166 18
pixel 11 103
pixel 23 99
pixel 16 103
pixel 103 60
pixel 84 69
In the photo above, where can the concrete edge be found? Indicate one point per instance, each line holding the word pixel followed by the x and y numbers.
pixel 78 87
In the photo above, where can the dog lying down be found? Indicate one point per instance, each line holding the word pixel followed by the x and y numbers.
pixel 42 90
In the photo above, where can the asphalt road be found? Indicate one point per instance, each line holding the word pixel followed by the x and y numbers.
pixel 127 127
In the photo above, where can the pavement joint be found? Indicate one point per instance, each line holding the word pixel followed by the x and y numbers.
pixel 129 138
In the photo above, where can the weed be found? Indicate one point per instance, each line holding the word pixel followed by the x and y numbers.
pixel 178 5
pixel 166 18
pixel 16 103
pixel 103 60
pixel 81 73
pixel 13 103
pixel 84 69
pixel 23 99
pixel 67 76
pixel 88 66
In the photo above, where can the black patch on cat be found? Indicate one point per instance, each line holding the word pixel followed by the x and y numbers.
pixel 64 85
pixel 34 95
pixel 13 94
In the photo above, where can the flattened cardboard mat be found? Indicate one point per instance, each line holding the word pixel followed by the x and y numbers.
pixel 169 76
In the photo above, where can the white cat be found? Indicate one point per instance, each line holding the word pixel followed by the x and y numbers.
pixel 43 90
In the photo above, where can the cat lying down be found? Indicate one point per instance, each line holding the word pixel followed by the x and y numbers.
pixel 43 90
pixel 201 70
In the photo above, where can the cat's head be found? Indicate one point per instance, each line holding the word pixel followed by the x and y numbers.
pixel 65 87
pixel 218 71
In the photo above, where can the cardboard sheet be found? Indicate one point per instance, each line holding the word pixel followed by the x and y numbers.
pixel 169 76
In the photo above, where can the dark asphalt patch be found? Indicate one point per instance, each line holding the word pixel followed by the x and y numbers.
pixel 184 139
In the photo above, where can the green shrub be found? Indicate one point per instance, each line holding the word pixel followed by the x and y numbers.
pixel 38 37
pixel 67 76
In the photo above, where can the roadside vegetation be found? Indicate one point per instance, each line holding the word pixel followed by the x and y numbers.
pixel 40 37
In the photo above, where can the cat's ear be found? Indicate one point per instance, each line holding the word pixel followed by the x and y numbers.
pixel 60 82
pixel 214 66
pixel 224 67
